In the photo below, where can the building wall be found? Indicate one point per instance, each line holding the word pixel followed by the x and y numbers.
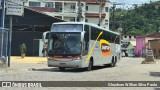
pixel 92 8
pixel 155 46
pixel 22 37
pixel 128 37
pixel 130 49
pixel 69 19
pixel 147 39
pixel 140 45
pixel 70 9
pixel 93 20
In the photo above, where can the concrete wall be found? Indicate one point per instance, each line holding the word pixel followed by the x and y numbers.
pixel 93 8
pixel 67 8
pixel 93 20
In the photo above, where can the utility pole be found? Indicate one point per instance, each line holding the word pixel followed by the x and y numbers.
pixel 79 17
pixel 113 22
pixel 100 11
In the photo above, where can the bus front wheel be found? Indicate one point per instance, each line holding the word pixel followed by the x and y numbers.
pixel 90 66
pixel 61 68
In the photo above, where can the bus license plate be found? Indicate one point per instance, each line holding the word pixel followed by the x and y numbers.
pixel 63 64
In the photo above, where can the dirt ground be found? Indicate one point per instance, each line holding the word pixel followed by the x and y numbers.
pixel 18 59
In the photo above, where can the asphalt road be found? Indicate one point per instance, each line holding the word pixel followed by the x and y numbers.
pixel 128 69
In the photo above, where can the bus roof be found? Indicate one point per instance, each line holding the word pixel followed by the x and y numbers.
pixel 90 24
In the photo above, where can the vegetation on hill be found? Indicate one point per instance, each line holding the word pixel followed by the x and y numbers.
pixel 141 20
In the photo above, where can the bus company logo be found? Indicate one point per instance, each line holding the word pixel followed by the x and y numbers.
pixel 105 47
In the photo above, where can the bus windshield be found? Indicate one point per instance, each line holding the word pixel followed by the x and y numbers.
pixel 65 43
pixel 67 28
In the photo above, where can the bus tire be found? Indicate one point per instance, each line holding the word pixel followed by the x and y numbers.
pixel 61 68
pixel 112 62
pixel 90 65
pixel 115 61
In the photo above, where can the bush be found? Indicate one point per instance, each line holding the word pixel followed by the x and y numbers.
pixel 23 48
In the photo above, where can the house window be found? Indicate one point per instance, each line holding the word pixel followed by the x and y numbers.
pixel 106 22
pixel 34 4
pixel 141 42
pixel 86 20
pixel 125 36
pixel 72 19
pixel 106 8
pixel 86 8
pixel 82 4
pixel 49 4
pixel 129 37
pixel 73 7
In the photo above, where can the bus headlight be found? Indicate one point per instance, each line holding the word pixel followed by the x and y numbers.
pixel 77 58
pixel 49 58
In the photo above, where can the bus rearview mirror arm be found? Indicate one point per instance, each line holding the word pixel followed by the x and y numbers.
pixel 82 35
pixel 44 36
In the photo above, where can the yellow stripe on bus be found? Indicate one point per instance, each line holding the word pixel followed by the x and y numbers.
pixel 89 55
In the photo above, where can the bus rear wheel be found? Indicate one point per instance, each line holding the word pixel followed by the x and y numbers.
pixel 112 64
pixel 61 68
pixel 115 61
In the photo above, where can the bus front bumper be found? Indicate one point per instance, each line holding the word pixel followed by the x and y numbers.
pixel 63 63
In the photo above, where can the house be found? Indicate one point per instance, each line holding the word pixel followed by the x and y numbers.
pixel 126 38
pixel 68 10
pixel 155 46
pixel 142 43
pixel 131 48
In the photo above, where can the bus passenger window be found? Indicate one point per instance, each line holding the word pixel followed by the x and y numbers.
pixel 86 40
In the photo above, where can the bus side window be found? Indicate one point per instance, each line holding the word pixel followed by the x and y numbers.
pixel 86 40
pixel 94 33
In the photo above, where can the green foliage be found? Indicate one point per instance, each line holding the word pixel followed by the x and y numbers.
pixel 23 48
pixel 141 20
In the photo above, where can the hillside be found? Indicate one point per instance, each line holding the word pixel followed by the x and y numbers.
pixel 141 20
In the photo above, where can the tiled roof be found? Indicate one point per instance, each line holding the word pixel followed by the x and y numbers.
pixel 154 35
pixel 43 9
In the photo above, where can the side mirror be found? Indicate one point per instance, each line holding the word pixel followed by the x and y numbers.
pixel 82 35
pixel 44 36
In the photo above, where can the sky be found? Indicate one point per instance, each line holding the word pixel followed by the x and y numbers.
pixel 129 2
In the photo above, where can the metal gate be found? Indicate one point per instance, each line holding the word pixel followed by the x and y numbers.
pixel 3 42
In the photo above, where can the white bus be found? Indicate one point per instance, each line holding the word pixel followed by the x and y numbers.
pixel 82 45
